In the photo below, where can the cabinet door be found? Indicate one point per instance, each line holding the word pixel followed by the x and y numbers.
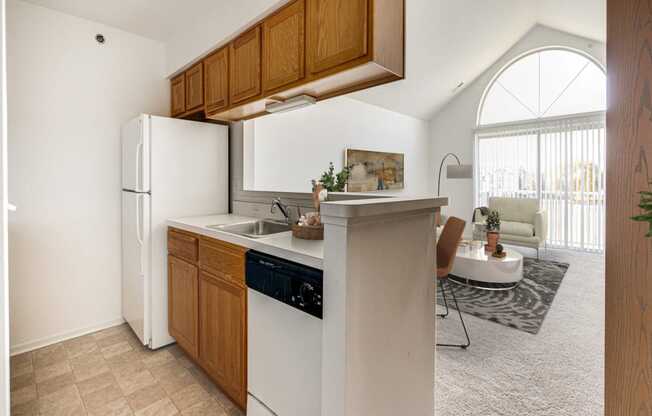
pixel 216 81
pixel 223 343
pixel 178 95
pixel 244 60
pixel 223 260
pixel 183 296
pixel 194 87
pixel 337 32
pixel 284 46
pixel 183 245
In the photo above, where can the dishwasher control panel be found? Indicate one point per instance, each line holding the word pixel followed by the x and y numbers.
pixel 294 284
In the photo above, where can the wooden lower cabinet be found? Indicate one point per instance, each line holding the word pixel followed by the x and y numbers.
pixel 207 308
pixel 224 260
pixel 183 245
pixel 182 304
pixel 223 344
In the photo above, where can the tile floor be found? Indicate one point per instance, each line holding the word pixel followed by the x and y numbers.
pixel 110 373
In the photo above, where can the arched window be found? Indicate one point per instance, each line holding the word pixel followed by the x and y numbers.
pixel 541 134
pixel 542 84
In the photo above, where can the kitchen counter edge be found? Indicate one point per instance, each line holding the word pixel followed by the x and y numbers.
pixel 278 245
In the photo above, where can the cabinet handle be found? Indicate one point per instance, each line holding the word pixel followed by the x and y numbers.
pixel 139 167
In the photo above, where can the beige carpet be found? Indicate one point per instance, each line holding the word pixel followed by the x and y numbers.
pixel 507 372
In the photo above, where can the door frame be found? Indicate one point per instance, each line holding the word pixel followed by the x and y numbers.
pixel 628 292
pixel 4 273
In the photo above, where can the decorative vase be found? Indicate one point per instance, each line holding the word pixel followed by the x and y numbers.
pixel 492 241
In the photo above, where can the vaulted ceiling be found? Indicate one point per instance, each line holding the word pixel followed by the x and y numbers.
pixel 454 41
pixel 447 41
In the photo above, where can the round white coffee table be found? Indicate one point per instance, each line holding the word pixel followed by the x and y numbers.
pixel 474 267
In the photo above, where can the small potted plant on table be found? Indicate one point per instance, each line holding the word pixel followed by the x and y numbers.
pixel 493 230
pixel 309 226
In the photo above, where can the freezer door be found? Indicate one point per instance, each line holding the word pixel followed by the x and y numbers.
pixel 135 263
pixel 135 154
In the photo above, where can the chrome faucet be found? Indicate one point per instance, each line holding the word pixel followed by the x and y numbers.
pixel 285 210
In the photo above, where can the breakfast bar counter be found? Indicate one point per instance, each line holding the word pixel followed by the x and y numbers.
pixel 283 245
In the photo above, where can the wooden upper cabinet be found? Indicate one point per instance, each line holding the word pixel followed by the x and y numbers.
pixel 195 87
pixel 337 32
pixel 216 81
pixel 320 48
pixel 245 66
pixel 284 46
pixel 223 326
pixel 178 95
pixel 183 312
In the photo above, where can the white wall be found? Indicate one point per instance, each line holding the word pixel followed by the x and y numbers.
pixel 68 96
pixel 452 128
pixel 212 26
pixel 289 149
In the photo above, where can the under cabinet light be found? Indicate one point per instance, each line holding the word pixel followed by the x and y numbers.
pixel 290 104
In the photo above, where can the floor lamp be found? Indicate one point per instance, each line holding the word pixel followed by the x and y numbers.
pixel 458 171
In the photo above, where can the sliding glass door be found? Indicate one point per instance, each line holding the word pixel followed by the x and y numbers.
pixel 507 166
pixel 559 161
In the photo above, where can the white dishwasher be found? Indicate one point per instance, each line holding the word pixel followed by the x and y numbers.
pixel 284 333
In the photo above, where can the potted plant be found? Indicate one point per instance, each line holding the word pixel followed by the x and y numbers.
pixel 331 181
pixel 493 230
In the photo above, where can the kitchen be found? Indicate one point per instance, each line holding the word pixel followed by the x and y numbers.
pixel 157 221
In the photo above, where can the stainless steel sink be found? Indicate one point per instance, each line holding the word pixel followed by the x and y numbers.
pixel 254 229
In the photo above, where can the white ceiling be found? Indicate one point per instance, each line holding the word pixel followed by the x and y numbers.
pixel 453 41
pixel 448 41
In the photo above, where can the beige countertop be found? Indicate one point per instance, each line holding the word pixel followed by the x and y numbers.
pixel 283 245
pixel 307 252
pixel 380 206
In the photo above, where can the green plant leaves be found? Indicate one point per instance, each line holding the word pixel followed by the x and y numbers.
pixel 333 182
pixel 646 206
pixel 493 220
pixel 341 179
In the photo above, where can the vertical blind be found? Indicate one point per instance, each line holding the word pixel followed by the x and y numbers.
pixel 561 162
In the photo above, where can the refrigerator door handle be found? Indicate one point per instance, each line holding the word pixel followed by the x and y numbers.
pixel 139 166
pixel 139 214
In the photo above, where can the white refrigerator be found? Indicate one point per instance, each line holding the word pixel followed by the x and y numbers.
pixel 171 168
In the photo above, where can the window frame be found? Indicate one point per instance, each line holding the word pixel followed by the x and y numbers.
pixel 514 60
pixel 535 125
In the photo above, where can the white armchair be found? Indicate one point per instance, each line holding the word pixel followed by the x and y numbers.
pixel 522 222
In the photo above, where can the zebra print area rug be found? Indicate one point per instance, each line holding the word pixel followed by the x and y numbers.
pixel 524 307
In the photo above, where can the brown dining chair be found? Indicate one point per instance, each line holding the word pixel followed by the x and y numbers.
pixel 446 251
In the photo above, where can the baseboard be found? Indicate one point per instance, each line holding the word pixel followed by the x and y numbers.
pixel 64 336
